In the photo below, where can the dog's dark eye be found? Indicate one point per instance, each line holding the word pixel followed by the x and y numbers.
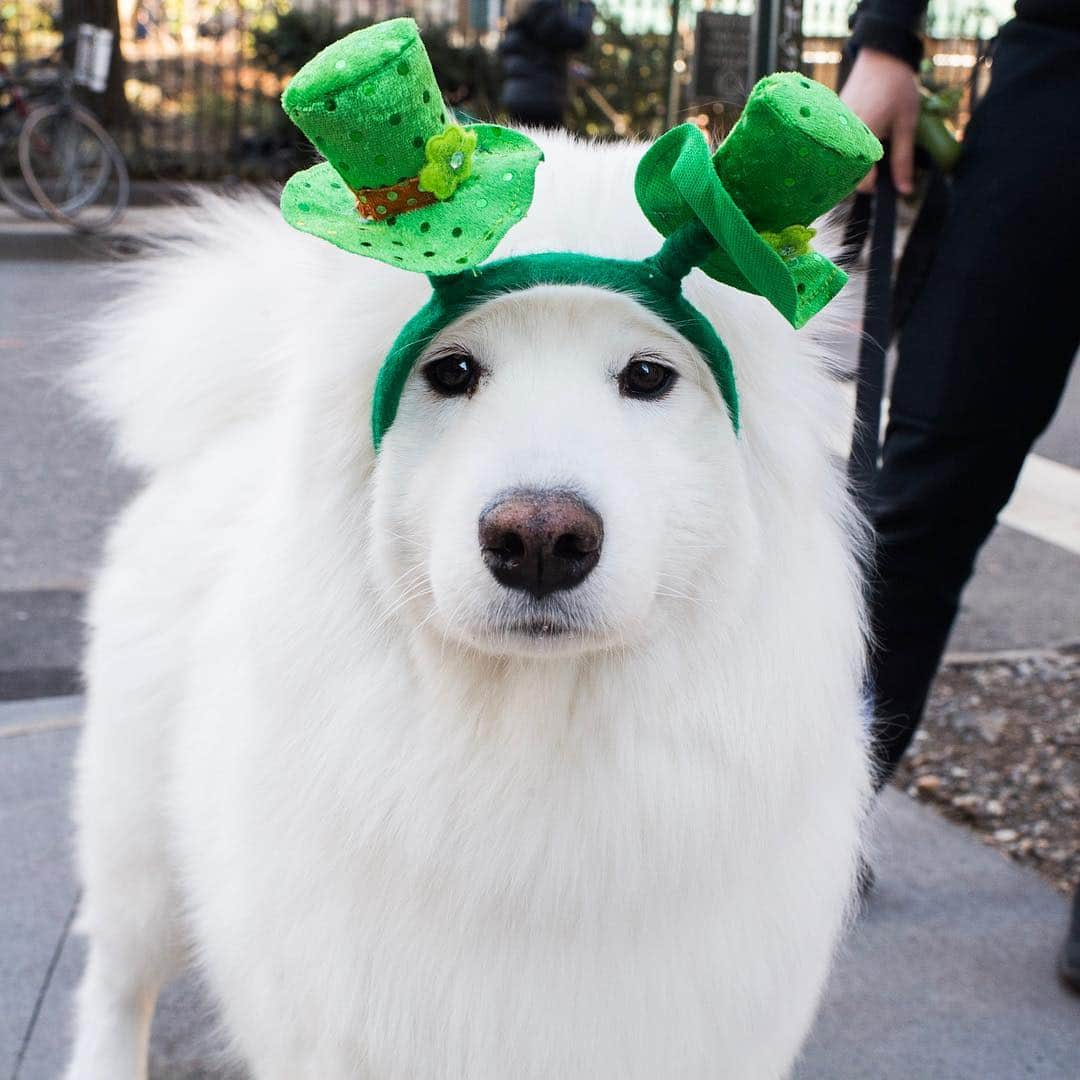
pixel 453 374
pixel 645 377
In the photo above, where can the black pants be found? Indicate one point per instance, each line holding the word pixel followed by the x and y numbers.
pixel 982 363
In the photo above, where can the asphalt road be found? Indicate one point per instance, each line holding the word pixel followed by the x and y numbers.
pixel 59 490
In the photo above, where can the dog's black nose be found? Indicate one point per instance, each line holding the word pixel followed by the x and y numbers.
pixel 540 541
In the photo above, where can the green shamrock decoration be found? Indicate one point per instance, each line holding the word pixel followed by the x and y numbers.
pixel 370 104
pixel 791 242
pixel 448 161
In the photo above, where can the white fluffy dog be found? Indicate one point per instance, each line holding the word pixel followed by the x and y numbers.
pixel 412 822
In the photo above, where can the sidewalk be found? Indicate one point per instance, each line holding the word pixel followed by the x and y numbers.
pixel 949 975
pixel 152 209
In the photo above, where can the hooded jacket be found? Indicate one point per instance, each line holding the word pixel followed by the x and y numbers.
pixel 534 51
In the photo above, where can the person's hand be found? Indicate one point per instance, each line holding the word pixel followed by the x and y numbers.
pixel 882 92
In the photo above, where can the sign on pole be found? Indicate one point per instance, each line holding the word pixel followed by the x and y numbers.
pixel 723 58
pixel 777 36
pixel 789 37
pixel 93 55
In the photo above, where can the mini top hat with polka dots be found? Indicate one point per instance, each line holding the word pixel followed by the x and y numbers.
pixel 371 106
pixel 404 184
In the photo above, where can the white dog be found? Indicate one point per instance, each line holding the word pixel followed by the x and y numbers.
pixel 418 815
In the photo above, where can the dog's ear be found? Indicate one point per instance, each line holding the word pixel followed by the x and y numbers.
pixel 744 214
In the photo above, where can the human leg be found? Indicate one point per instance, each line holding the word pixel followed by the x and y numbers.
pixel 982 364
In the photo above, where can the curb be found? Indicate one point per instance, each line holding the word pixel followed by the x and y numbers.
pixel 19 718
pixel 1010 656
pixel 38 684
pixel 24 239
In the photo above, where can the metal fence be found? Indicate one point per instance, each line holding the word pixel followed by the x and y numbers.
pixel 957 33
pixel 201 79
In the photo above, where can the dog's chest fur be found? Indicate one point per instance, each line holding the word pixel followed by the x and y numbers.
pixel 438 867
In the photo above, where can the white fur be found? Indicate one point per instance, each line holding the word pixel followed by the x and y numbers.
pixel 403 842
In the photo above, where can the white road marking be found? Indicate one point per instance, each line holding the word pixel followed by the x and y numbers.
pixel 1045 503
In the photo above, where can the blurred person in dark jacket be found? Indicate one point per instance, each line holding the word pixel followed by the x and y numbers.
pixel 539 37
pixel 987 347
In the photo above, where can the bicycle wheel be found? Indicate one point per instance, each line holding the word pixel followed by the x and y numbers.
pixel 51 144
pixel 13 188
pixel 73 168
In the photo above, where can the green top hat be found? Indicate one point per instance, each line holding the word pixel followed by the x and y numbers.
pixel 796 152
pixel 401 182
pixel 744 216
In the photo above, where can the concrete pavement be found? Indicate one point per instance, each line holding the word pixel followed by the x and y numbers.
pixel 948 976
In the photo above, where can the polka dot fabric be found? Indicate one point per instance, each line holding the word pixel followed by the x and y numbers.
pixel 371 106
pixel 796 152
pixel 369 103
pixel 441 238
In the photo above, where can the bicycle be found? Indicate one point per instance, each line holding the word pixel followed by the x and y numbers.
pixel 56 159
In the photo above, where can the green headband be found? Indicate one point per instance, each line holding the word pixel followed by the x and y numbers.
pixel 403 184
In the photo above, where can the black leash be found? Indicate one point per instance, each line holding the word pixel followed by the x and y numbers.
pixel 888 304
pixel 921 246
pixel 877 332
